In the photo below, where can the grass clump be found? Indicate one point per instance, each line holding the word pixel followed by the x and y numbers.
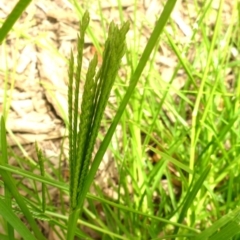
pixel 94 100
pixel 177 156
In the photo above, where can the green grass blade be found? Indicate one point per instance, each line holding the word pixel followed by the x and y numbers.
pixel 32 176
pixel 70 117
pixel 192 194
pixel 224 222
pixel 3 161
pixel 228 231
pixel 11 185
pixel 172 160
pixel 7 214
pixel 12 18
pixel 42 170
pixel 3 237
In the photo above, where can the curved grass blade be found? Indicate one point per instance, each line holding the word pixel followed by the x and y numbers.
pixel 226 221
pixel 3 161
pixel 7 214
pixel 11 185
pixel 228 231
pixel 12 18
pixel 190 197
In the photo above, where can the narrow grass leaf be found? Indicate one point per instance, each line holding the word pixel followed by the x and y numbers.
pixel 192 194
pixel 12 18
pixel 42 170
pixel 230 218
pixel 172 160
pixel 4 161
pixel 227 232
pixel 4 237
pixel 30 175
pixel 70 122
pixel 7 214
pixel 12 187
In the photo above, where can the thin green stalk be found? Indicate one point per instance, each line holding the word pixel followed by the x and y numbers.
pixel 14 220
pixel 42 170
pixel 4 161
pixel 195 132
pixel 70 122
pixel 11 185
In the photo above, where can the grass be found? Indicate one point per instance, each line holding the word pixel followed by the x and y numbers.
pixel 191 134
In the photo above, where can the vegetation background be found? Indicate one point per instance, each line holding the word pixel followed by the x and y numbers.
pixel 172 167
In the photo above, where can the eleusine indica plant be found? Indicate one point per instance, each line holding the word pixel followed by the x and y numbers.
pixel 83 130
pixel 95 97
